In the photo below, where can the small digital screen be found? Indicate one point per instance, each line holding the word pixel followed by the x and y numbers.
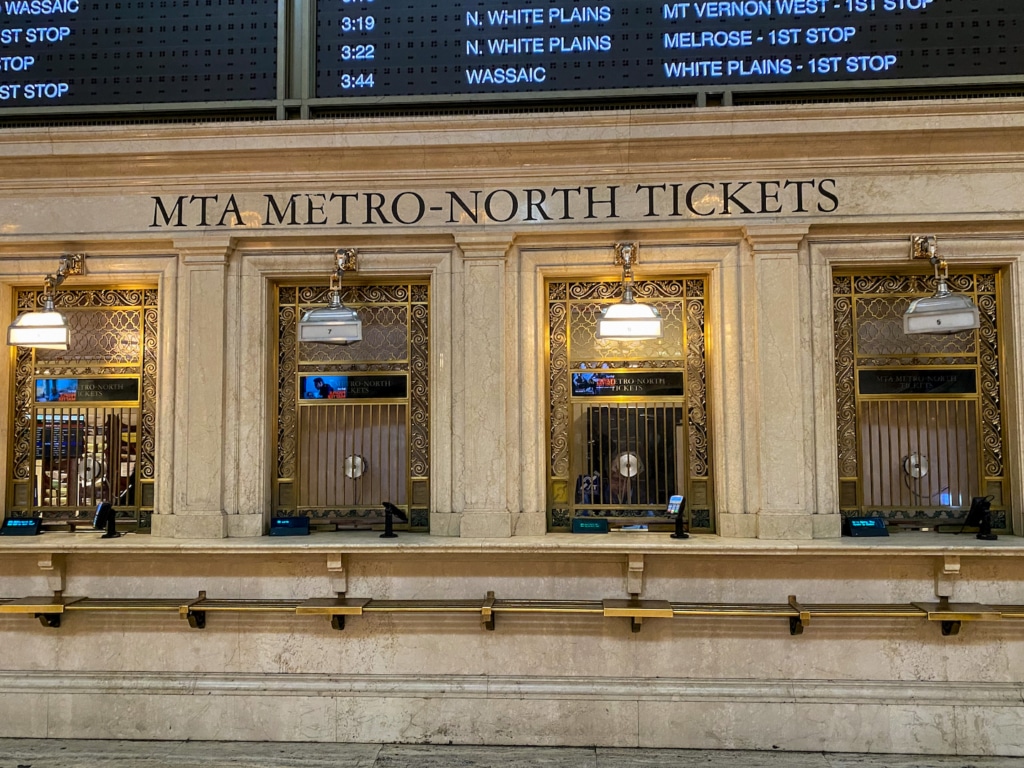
pixel 56 390
pixel 604 383
pixel 337 387
pixel 324 387
pixel 87 390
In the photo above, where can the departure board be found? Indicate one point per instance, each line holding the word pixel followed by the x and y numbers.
pixel 98 52
pixel 412 48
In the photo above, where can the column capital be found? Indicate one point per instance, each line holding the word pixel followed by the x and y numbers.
pixel 484 245
pixel 764 238
pixel 216 249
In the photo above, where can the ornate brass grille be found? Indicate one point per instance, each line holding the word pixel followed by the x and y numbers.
pixel 340 458
pixel 85 418
pixel 919 418
pixel 662 425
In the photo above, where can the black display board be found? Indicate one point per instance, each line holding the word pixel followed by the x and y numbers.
pixel 409 48
pixel 110 52
pixel 605 384
pixel 919 381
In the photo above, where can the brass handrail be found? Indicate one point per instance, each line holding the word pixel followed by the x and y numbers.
pixel 49 609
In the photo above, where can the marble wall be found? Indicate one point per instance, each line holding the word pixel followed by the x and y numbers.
pixel 765 202
pixel 868 685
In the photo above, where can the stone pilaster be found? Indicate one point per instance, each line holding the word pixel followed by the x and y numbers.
pixel 784 391
pixel 485 431
pixel 200 450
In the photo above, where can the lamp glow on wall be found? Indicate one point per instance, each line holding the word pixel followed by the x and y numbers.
pixel 47 329
pixel 944 311
pixel 335 323
pixel 627 320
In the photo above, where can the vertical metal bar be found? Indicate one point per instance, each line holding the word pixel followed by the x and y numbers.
pixel 903 492
pixel 330 437
pixel 307 430
pixel 950 435
pixel 399 471
pixel 360 448
pixel 388 427
pixel 934 459
pixel 886 488
pixel 382 427
pixel 875 424
pixel 302 456
pixel 309 423
pixel 961 444
pixel 325 450
pixel 910 490
pixel 894 467
pixel 317 468
pixel 388 437
pixel 375 460
pixel 346 441
pixel 312 455
pixel 340 430
pixel 660 454
pixel 306 456
pixel 916 489
pixel 644 478
pixel 64 451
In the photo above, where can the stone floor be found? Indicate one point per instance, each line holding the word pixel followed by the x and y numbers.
pixel 31 753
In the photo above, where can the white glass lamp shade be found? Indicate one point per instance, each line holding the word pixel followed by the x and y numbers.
pixel 43 330
pixel 949 313
pixel 628 321
pixel 334 324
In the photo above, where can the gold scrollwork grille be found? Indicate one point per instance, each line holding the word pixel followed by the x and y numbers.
pixel 627 421
pixel 338 457
pixel 919 417
pixel 84 427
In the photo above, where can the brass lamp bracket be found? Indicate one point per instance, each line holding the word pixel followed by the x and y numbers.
pixel 627 254
pixel 346 262
pixel 70 264
pixel 923 247
pixel 926 247
pixel 346 258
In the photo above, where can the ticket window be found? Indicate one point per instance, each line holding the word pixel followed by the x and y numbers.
pixel 85 418
pixel 628 421
pixel 353 421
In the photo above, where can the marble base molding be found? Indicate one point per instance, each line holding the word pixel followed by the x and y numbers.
pixel 840 716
